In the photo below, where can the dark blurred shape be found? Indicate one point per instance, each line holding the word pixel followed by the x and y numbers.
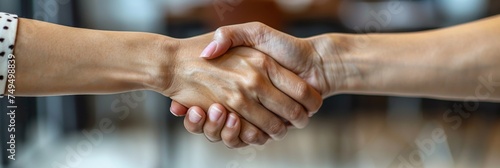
pixel 222 13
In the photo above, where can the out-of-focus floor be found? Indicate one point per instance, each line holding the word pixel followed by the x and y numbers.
pixel 367 139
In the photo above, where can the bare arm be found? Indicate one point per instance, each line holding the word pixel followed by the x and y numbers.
pixel 53 60
pixel 452 63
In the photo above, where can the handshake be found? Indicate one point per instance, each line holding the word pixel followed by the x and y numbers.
pixel 267 81
pixel 254 82
pixel 264 80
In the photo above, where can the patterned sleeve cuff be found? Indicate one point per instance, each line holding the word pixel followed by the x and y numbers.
pixel 8 30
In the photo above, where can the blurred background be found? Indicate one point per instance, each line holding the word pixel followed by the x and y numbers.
pixel 136 129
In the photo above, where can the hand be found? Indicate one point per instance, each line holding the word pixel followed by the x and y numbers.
pixel 247 83
pixel 299 55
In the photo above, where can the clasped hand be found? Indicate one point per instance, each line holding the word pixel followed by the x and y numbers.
pixel 258 97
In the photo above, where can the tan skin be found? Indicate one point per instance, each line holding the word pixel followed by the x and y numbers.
pixel 452 63
pixel 59 60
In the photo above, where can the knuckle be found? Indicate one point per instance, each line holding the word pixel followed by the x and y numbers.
pixel 252 81
pixel 258 25
pixel 261 32
pixel 251 137
pixel 236 101
pixel 301 90
pixel 295 112
pixel 223 32
pixel 277 128
pixel 260 60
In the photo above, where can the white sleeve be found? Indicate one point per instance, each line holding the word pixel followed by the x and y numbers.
pixel 8 30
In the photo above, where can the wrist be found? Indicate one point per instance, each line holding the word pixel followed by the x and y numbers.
pixel 388 63
pixel 162 54
pixel 135 60
pixel 174 71
pixel 331 51
pixel 141 61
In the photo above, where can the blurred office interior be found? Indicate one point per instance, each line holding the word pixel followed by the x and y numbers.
pixel 349 130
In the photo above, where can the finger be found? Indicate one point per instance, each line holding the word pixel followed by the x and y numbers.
pixel 231 131
pixel 248 34
pixel 216 119
pixel 295 87
pixel 194 120
pixel 261 117
pixel 177 109
pixel 251 135
pixel 284 106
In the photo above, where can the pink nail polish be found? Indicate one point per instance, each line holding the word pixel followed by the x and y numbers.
pixel 231 121
pixel 214 113
pixel 194 117
pixel 209 50
pixel 171 111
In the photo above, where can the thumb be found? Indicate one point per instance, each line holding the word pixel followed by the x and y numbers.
pixel 248 34
pixel 290 52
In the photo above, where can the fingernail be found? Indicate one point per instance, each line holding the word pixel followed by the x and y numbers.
pixel 194 117
pixel 209 50
pixel 171 111
pixel 231 121
pixel 312 113
pixel 214 113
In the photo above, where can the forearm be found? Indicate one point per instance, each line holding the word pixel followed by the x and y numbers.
pixel 451 63
pixel 53 60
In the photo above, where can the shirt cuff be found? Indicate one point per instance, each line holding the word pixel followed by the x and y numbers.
pixel 8 30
